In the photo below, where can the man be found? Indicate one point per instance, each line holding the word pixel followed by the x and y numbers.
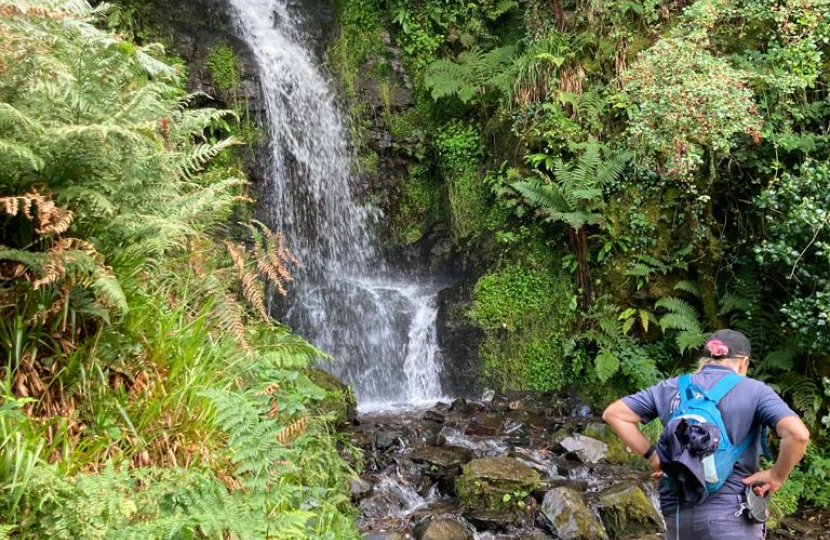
pixel 744 409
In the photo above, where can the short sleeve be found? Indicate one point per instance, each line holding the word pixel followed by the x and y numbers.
pixel 771 408
pixel 644 403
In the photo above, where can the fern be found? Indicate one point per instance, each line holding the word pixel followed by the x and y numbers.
pixel 684 318
pixel 470 76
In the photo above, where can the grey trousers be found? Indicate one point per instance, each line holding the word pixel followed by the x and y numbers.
pixel 713 520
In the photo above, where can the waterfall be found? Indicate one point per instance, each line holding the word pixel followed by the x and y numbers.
pixel 380 327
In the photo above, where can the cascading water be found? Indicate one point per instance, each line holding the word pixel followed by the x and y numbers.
pixel 381 329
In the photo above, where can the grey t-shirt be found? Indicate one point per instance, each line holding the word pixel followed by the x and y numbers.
pixel 747 406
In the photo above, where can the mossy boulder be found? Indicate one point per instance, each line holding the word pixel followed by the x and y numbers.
pixel 565 515
pixel 339 400
pixel 496 483
pixel 626 510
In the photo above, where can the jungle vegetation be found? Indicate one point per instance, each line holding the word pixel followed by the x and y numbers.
pixel 624 177
pixel 146 392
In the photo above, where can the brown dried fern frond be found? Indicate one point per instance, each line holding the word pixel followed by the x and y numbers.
pixel 49 218
pixel 269 390
pixel 230 318
pixel 251 287
pixel 292 430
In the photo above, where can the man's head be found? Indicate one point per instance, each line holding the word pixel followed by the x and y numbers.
pixel 727 347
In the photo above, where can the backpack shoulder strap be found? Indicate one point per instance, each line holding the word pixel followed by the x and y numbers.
pixel 723 387
pixel 684 381
pixel 688 389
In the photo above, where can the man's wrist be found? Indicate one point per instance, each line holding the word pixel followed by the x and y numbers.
pixel 650 452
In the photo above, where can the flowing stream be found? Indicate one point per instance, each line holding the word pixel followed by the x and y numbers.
pixel 380 327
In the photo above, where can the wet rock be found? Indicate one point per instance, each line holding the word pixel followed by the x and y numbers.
pixel 386 535
pixel 533 460
pixel 493 520
pixel 485 482
pixel 547 484
pixel 587 449
pixel 442 508
pixel 487 425
pixel 626 510
pixel 442 461
pixel 488 395
pixel 434 416
pixel 515 405
pixel 442 529
pixel 534 534
pixel 358 488
pixel 563 513
pixel 387 438
pixel 389 498
pixel 339 402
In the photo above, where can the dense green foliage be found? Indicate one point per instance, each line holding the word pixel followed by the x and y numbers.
pixel 146 393
pixel 714 114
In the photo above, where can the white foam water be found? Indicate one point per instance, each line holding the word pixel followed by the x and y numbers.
pixel 381 329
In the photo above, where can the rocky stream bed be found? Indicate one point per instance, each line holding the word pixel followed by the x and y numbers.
pixel 520 466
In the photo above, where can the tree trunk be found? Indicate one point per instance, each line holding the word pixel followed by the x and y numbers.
pixel 558 13
pixel 579 245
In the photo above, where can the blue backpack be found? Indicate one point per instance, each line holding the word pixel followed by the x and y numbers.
pixel 701 407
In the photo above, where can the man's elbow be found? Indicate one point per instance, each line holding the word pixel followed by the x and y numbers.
pixel 795 430
pixel 801 434
pixel 610 413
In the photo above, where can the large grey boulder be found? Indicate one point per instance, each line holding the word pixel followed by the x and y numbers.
pixel 565 515
pixel 587 449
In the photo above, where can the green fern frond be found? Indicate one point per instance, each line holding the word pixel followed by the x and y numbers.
pixel 689 287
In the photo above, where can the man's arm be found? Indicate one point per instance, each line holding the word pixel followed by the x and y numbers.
pixel 794 440
pixel 624 422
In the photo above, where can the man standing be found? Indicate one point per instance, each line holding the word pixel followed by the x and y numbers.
pixel 744 409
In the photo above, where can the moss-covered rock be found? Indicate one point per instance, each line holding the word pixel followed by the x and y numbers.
pixel 625 510
pixel 496 483
pixel 618 453
pixel 339 401
pixel 564 513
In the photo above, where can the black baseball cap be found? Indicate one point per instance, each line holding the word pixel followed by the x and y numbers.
pixel 727 344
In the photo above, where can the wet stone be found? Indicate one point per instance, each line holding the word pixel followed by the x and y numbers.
pixel 484 426
pixel 358 487
pixel 626 510
pixel 564 513
pixel 434 416
pixel 442 529
pixel 389 535
pixel 385 439
pixel 442 461
pixel 587 449
pixel 548 484
pixel 493 520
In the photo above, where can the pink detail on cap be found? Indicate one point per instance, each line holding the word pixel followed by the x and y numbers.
pixel 716 347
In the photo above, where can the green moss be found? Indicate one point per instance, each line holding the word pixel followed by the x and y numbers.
pixel 225 69
pixel 495 483
pixel 339 401
pixel 527 311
